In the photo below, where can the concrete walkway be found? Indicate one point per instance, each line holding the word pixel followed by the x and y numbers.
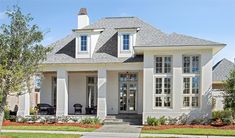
pixel 117 131
pixel 113 134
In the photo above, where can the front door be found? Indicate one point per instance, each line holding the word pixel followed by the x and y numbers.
pixel 128 93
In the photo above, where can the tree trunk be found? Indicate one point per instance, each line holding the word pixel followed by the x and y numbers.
pixel 2 109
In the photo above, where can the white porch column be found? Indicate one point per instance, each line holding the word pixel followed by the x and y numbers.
pixel 62 93
pixel 24 105
pixel 102 90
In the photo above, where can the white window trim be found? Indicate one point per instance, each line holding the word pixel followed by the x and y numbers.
pixel 130 42
pixel 191 64
pixel 190 95
pixel 79 44
pixel 163 64
pixel 162 95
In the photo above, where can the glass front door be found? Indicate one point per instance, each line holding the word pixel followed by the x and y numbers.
pixel 128 93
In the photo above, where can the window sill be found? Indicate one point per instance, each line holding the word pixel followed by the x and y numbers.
pixel 125 51
pixel 162 108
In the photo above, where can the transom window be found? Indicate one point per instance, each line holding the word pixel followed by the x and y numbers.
pixel 126 42
pixel 191 64
pixel 83 46
pixel 163 92
pixel 191 91
pixel 163 64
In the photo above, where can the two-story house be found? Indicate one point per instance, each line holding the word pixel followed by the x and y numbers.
pixel 122 65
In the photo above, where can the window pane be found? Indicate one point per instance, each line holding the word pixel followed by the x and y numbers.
pixel 167 101
pixel 126 42
pixel 195 85
pixel 158 64
pixel 195 102
pixel 186 86
pixel 158 102
pixel 83 43
pixel 186 102
pixel 167 64
pixel 167 85
pixel 195 64
pixel 158 85
pixel 186 64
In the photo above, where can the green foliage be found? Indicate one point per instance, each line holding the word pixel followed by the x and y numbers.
pixel 222 114
pixel 7 114
pixel 152 121
pixel 32 111
pixel 20 52
pixel 95 120
pixel 229 87
pixel 225 116
pixel 197 121
pixel 162 120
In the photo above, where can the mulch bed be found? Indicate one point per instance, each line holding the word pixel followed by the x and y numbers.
pixel 8 123
pixel 162 127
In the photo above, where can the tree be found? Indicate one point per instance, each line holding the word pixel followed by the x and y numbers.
pixel 229 96
pixel 20 54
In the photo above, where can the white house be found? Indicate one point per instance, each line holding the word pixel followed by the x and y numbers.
pixel 122 65
pixel 220 73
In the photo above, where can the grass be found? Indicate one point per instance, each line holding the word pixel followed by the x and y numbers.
pixel 49 128
pixel 38 135
pixel 193 131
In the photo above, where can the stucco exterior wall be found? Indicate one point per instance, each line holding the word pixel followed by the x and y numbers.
pixel 78 90
pixel 177 109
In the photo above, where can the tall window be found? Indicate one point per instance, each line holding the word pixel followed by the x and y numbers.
pixel 163 92
pixel 126 42
pixel 191 91
pixel 83 43
pixel 191 64
pixel 163 64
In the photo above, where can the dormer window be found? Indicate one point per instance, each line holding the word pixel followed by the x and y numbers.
pixel 83 46
pixel 126 42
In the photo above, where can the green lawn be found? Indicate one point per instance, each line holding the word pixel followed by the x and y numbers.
pixel 38 135
pixel 52 128
pixel 193 131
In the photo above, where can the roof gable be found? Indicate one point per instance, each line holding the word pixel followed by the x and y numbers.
pixel 222 69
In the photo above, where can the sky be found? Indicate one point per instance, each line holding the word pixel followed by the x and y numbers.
pixel 207 19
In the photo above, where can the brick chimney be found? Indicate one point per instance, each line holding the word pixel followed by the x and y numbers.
pixel 83 19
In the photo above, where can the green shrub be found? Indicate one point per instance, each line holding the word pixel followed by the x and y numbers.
pixel 33 111
pixel 222 114
pixel 226 116
pixel 197 121
pixel 7 114
pixel 152 121
pixel 162 120
pixel 95 120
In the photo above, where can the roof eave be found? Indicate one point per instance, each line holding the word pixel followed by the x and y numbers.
pixel 215 47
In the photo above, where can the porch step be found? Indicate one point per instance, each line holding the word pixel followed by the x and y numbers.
pixel 123 119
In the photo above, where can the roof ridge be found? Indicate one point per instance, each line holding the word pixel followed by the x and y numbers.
pixel 117 17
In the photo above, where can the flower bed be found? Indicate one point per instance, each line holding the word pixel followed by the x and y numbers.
pixel 9 123
pixel 162 127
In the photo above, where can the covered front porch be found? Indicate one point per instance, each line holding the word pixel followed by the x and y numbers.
pixel 100 92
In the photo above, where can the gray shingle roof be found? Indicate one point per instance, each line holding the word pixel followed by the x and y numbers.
pixel 222 69
pixel 106 47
